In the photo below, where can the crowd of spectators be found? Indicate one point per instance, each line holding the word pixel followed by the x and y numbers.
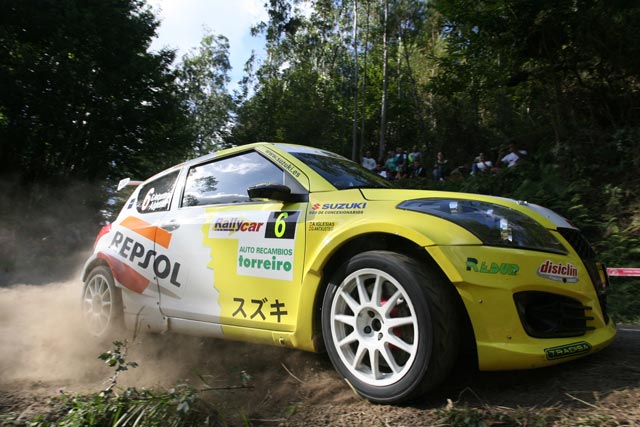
pixel 401 164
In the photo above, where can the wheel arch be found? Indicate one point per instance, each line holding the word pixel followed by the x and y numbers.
pixel 388 242
pixel 93 263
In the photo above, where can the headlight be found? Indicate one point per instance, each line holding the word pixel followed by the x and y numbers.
pixel 495 225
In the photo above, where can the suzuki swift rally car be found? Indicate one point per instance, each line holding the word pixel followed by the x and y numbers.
pixel 298 247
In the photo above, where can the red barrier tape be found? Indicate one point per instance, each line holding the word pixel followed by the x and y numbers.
pixel 626 272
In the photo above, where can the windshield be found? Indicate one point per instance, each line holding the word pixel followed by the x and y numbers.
pixel 341 172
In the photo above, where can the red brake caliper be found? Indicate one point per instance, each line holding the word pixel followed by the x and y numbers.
pixel 394 311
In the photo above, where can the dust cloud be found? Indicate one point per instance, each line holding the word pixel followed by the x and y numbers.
pixel 43 343
pixel 41 336
pixel 45 348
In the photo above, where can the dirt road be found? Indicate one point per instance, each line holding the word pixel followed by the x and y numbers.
pixel 43 351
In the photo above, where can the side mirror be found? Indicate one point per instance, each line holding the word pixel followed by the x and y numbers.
pixel 270 191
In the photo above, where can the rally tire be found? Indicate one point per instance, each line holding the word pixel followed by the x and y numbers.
pixel 102 310
pixel 390 326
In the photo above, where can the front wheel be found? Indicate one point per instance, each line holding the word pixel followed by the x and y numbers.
pixel 101 303
pixel 390 326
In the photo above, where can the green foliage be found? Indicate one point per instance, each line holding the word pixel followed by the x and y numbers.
pixel 202 79
pixel 80 96
pixel 623 300
pixel 176 407
pixel 464 78
pixel 115 358
pixel 82 105
pixel 179 406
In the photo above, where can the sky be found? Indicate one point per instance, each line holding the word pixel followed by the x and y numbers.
pixel 183 23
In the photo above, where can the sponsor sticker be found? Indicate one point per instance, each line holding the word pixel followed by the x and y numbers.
pixel 283 163
pixel 492 267
pixel 155 201
pixel 266 242
pixel 567 350
pixel 233 225
pixel 260 309
pixel 321 226
pixel 558 272
pixel 147 259
pixel 137 252
pixel 343 208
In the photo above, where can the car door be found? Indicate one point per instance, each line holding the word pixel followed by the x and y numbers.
pixel 241 259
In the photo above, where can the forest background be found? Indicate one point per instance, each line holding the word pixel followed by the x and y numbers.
pixel 83 103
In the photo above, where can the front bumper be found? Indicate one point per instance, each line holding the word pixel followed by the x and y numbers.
pixel 488 280
pixel 538 352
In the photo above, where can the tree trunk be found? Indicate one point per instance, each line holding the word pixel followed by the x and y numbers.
pixel 385 76
pixel 355 154
pixel 364 80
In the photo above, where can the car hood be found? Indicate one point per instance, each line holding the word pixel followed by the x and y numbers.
pixel 533 210
pixel 386 194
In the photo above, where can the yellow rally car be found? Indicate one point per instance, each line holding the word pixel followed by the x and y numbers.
pixel 299 247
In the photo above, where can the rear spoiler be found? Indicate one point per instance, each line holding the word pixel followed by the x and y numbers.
pixel 127 182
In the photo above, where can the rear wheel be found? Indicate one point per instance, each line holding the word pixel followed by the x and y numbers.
pixel 101 303
pixel 390 326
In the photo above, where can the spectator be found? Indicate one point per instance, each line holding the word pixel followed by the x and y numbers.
pixel 515 156
pixel 401 161
pixel 382 171
pixel 417 171
pixel 415 155
pixel 368 162
pixel 440 167
pixel 390 165
pixel 481 165
pixel 402 172
pixel 497 165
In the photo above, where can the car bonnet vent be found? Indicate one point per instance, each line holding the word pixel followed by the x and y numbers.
pixel 597 272
pixel 578 243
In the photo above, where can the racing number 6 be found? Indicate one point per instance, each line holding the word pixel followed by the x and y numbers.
pixel 281 225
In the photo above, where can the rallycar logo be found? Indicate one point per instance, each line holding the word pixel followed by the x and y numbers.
pixel 234 224
pixel 566 273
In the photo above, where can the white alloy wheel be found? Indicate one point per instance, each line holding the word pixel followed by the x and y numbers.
pixel 101 303
pixel 390 325
pixel 374 327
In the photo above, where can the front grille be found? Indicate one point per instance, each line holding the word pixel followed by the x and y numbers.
pixel 547 315
pixel 597 271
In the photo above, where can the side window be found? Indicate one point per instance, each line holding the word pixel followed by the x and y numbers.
pixel 155 196
pixel 227 180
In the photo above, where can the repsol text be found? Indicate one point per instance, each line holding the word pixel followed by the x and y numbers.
pixel 135 252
